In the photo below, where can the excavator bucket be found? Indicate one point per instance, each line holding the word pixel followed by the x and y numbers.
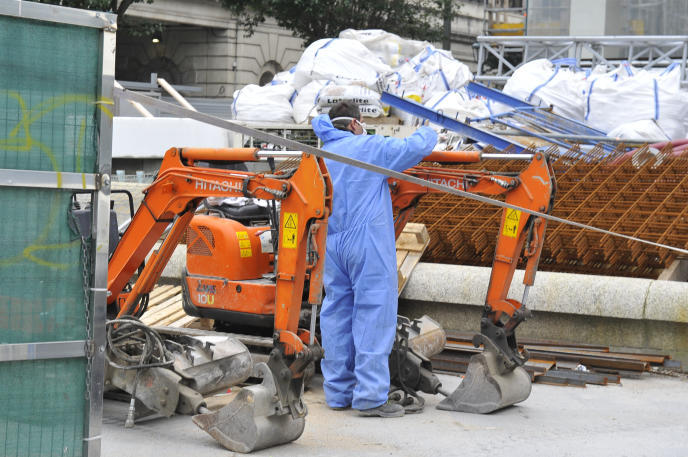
pixel 254 420
pixel 488 387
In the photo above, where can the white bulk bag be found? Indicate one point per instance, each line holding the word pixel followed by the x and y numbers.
pixel 543 83
pixel 639 130
pixel 388 47
pixel 432 70
pixel 457 104
pixel 306 102
pixel 270 103
pixel 644 96
pixel 339 60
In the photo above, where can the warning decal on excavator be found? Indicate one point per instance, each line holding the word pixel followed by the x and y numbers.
pixel 513 216
pixel 289 229
pixel 244 244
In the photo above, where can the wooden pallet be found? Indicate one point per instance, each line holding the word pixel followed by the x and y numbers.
pixel 411 244
pixel 165 301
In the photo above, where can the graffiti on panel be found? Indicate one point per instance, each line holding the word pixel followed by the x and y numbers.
pixel 22 138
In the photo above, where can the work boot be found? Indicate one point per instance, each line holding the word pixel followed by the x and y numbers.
pixel 387 409
pixel 339 408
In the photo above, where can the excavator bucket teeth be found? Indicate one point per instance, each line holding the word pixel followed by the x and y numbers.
pixel 253 420
pixel 485 389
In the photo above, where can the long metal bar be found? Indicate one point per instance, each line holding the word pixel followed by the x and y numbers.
pixel 61 14
pixel 47 179
pixel 229 125
pixel 542 136
pixel 41 351
pixel 452 124
pixel 137 106
pixel 176 95
pixel 513 102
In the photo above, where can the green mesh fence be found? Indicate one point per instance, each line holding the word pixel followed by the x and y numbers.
pixel 43 407
pixel 49 114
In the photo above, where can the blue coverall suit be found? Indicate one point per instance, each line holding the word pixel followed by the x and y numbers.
pixel 358 317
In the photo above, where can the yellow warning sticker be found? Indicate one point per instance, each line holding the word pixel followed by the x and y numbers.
pixel 513 216
pixel 290 226
pixel 244 244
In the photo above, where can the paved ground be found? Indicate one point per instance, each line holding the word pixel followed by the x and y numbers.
pixel 643 417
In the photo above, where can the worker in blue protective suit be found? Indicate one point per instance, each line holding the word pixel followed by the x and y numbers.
pixel 359 312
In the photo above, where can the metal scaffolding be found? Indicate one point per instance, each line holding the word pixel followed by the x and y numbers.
pixel 588 51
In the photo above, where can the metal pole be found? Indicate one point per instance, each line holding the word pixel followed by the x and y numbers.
pixel 137 106
pixel 176 95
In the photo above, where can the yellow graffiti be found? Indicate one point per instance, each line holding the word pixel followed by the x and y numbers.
pixel 21 139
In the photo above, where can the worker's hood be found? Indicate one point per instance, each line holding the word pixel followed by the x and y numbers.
pixel 322 126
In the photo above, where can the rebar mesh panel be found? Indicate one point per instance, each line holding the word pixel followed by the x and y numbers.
pixel 647 201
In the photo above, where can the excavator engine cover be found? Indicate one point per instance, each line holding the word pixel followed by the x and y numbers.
pixel 487 386
pixel 254 420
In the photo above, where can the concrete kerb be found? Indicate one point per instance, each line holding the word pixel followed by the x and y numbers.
pixel 601 296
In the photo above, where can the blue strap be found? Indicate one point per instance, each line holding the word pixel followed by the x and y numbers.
pixel 489 102
pixel 556 70
pixel 587 114
pixel 234 102
pixel 444 79
pixel 567 61
pixel 398 81
pixel 429 54
pixel 668 69
pixel 317 96
pixel 656 89
pixel 323 47
pixel 293 96
pixel 627 66
pixel 441 98
pixel 292 69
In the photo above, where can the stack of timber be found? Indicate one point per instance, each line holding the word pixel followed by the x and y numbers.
pixel 562 364
pixel 165 310
pixel 165 301
pixel 411 245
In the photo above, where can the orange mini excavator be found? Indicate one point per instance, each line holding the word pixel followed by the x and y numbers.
pixel 273 412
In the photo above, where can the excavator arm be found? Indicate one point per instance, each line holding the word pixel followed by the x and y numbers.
pixel 520 235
